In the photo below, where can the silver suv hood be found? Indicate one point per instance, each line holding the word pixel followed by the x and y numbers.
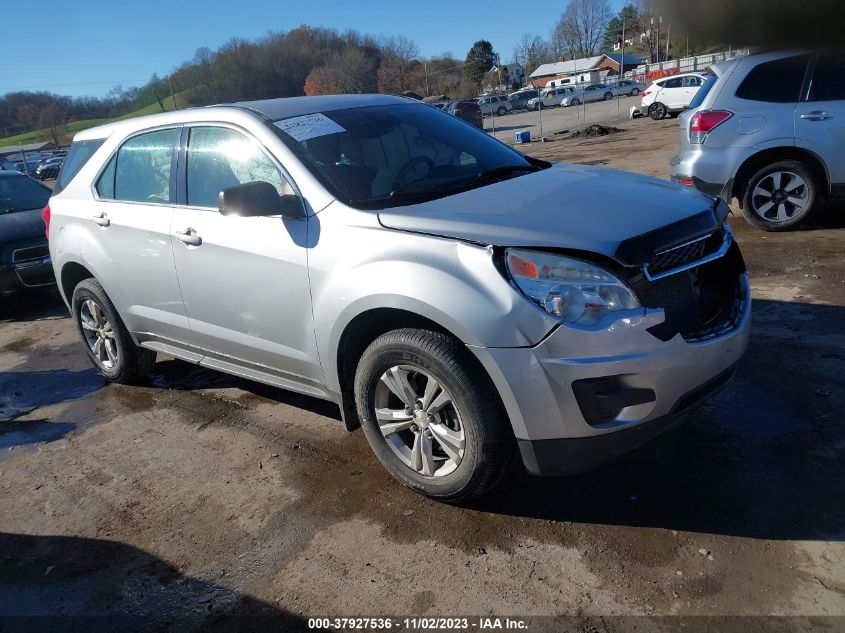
pixel 615 213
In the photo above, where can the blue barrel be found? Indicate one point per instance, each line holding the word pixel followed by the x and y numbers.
pixel 523 136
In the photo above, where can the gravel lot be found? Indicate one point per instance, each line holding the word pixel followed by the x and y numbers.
pixel 205 495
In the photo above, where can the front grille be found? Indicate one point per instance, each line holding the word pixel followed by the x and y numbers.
pixel 700 302
pixel 677 257
pixel 30 253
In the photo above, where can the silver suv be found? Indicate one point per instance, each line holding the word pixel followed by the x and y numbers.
pixel 768 130
pixel 458 300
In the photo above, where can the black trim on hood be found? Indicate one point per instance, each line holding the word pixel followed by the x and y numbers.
pixel 639 250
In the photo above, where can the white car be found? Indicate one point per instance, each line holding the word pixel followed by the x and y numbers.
pixel 550 97
pixel 494 105
pixel 671 94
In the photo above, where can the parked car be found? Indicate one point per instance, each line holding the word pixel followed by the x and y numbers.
pixel 550 97
pixel 626 87
pixel 48 168
pixel 494 105
pixel 379 254
pixel 768 130
pixel 595 92
pixel 468 111
pixel 519 99
pixel 24 257
pixel 671 95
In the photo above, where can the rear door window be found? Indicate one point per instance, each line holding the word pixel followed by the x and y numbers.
pixel 672 83
pixel 828 82
pixel 142 168
pixel 778 81
pixel 80 152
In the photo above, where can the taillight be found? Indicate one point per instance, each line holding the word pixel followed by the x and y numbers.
pixel 45 215
pixel 457 110
pixel 645 93
pixel 704 122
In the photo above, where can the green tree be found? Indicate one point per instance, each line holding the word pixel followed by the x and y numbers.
pixel 630 14
pixel 480 58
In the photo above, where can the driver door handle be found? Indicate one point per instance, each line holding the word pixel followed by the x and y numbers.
pixel 189 236
pixel 817 115
pixel 102 219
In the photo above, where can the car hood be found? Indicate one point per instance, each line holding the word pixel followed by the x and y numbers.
pixel 575 207
pixel 20 225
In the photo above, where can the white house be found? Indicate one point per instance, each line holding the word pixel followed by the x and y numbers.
pixel 516 73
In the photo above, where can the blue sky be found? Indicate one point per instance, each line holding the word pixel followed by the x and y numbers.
pixel 87 46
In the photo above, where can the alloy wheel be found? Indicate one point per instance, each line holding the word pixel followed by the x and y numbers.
pixel 99 333
pixel 419 421
pixel 779 196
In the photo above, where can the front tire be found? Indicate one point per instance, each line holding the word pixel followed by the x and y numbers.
pixel 781 195
pixel 431 415
pixel 608 96
pixel 501 111
pixel 575 102
pixel 107 342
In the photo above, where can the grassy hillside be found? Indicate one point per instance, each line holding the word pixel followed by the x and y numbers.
pixel 76 126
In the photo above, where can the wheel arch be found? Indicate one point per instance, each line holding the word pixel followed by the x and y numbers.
pixel 72 273
pixel 362 330
pixel 773 154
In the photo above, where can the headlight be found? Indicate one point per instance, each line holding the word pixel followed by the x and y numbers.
pixel 572 290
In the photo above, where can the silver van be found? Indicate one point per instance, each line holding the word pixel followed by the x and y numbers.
pixel 465 304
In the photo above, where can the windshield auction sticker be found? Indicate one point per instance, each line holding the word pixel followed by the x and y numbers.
pixel 309 126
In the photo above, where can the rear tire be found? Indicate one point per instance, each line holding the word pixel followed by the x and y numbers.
pixel 635 92
pixel 107 342
pixel 501 111
pixel 608 96
pixel 449 439
pixel 781 195
pixel 658 111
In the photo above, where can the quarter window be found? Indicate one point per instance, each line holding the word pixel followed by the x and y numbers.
pixel 778 81
pixel 828 79
pixel 141 169
pixel 219 158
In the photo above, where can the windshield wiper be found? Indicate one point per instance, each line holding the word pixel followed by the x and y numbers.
pixel 504 170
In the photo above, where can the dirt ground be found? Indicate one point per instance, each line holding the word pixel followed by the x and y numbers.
pixel 200 496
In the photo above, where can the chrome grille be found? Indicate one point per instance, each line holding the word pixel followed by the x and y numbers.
pixel 29 253
pixel 684 256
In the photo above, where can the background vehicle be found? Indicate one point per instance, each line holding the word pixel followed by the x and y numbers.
pixel 550 97
pixel 769 130
pixel 626 87
pixel 24 256
pixel 466 110
pixel 595 92
pixel 48 168
pixel 519 99
pixel 494 105
pixel 670 95
pixel 434 304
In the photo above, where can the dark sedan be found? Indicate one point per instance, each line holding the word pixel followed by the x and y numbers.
pixel 467 111
pixel 24 257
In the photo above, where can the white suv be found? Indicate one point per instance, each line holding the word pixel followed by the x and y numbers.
pixel 671 95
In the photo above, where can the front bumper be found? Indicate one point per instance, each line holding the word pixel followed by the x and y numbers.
pixel 652 382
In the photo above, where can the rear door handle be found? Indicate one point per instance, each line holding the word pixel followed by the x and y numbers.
pixel 817 115
pixel 189 236
pixel 102 219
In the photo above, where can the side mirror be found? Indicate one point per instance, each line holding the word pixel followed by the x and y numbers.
pixel 255 199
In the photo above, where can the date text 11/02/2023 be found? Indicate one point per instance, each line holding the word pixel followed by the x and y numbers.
pixel 418 623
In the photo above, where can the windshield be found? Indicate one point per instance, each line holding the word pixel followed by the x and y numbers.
pixel 19 193
pixel 384 156
pixel 699 97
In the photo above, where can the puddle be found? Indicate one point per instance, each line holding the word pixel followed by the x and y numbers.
pixel 22 433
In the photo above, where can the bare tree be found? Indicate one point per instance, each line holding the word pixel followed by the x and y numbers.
pixel 582 26
pixel 398 57
pixel 530 52
pixel 356 71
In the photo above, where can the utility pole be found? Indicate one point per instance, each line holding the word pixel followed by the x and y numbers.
pixel 170 83
pixel 425 66
pixel 668 30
